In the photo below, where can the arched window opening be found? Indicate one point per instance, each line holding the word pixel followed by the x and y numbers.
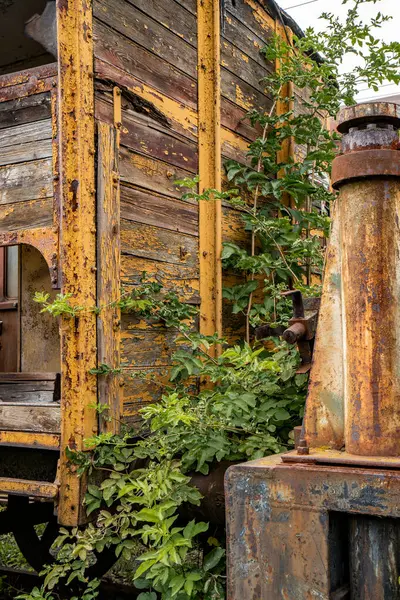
pixel 29 339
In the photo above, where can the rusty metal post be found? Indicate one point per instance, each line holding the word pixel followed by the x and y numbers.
pixel 368 177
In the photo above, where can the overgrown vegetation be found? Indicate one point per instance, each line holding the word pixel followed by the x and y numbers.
pixel 252 397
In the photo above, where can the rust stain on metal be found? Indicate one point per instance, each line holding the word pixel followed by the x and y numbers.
pixel 369 182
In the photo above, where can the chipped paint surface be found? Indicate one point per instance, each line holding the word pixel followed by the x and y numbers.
pixel 280 534
pixel 324 417
pixel 108 264
pixel 78 242
pixel 210 220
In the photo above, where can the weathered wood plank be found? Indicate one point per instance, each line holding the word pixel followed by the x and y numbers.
pixel 180 117
pixel 171 15
pixel 253 16
pixel 144 135
pixel 28 75
pixel 146 348
pixel 154 175
pixel 117 50
pixel 160 211
pixel 139 29
pixel 30 214
pixel 137 393
pixel 182 279
pixel 126 19
pixel 12 155
pixel 147 241
pixel 108 266
pixel 26 181
pixel 24 133
pixel 29 377
pixel 139 136
pixel 25 110
pixel 19 417
pixel 13 393
pixel 243 38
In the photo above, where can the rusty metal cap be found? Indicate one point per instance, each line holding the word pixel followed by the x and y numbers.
pixel 369 112
pixel 370 145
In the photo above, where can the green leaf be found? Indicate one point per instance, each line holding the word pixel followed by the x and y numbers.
pixel 213 558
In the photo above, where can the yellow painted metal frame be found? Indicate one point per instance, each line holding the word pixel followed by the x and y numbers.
pixel 209 133
pixel 77 243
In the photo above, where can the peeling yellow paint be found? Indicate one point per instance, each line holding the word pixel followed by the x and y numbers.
pixel 210 216
pixel 261 16
pixel 241 99
pixel 78 242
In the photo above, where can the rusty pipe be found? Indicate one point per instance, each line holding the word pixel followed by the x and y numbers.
pixel 367 175
pixel 294 333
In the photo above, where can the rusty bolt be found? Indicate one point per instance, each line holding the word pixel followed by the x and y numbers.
pixel 302 448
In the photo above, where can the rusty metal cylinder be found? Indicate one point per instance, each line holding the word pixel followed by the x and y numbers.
pixel 368 176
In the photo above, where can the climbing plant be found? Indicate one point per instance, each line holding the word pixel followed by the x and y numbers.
pixel 251 395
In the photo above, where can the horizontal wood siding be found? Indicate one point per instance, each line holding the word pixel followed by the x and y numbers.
pixel 26 169
pixel 148 48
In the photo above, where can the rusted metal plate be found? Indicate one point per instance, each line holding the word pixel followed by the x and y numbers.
pixel 337 457
pixel 279 520
pixel 324 417
pixel 365 164
pixel 354 116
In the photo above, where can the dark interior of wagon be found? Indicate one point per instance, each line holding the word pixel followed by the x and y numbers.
pixel 29 339
pixel 18 51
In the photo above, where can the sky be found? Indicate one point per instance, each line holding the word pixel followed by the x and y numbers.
pixel 307 14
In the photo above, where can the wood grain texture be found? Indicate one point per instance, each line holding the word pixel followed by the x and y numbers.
pixel 153 209
pixel 40 418
pixel 182 279
pixel 25 110
pixel 26 181
pixel 108 266
pixel 150 174
pixel 113 48
pixel 161 245
pixel 30 214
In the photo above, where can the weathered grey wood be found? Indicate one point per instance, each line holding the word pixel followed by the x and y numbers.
pixel 18 153
pixel 20 417
pixel 30 377
pixel 25 110
pixel 26 215
pixel 27 132
pixel 26 181
pixel 109 266
pixel 13 393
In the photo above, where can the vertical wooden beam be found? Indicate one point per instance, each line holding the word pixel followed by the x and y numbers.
pixel 285 102
pixel 78 242
pixel 210 219
pixel 109 268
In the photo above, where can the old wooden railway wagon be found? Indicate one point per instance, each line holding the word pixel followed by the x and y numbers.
pixel 103 105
